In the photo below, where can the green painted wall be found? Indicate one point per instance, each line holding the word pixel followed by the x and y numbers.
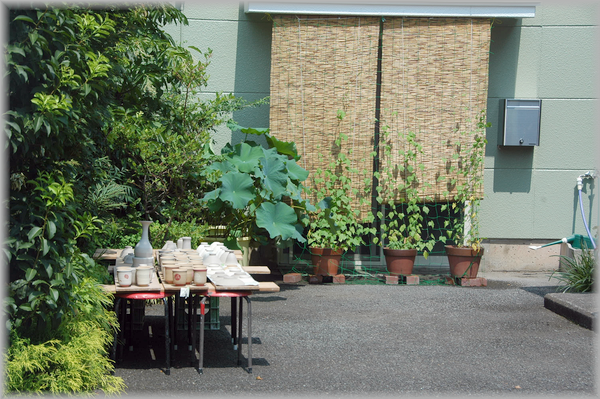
pixel 530 193
pixel 241 60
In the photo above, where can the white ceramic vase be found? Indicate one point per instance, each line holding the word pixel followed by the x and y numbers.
pixel 143 249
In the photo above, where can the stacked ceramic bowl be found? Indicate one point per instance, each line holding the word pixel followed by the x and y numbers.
pixel 182 267
pixel 222 267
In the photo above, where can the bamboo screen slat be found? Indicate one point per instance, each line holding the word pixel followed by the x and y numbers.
pixel 320 65
pixel 435 78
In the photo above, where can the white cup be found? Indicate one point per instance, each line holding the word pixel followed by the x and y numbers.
pixel 190 274
pixel 124 276
pixel 180 276
pixel 148 269
pixel 199 275
pixel 142 276
pixel 168 272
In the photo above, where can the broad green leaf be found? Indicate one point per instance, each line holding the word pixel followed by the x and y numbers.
pixel 212 195
pixel 247 130
pixel 246 157
pixel 30 274
pixel 54 294
pixel 49 270
pixel 24 18
pixel 273 176
pixel 51 229
pixel 259 131
pixel 45 247
pixel 283 147
pixel 237 188
pixel 34 232
pixel 222 166
pixel 26 307
pixel 295 171
pixel 34 295
pixel 279 220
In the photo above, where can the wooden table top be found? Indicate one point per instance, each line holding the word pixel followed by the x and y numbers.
pixel 158 285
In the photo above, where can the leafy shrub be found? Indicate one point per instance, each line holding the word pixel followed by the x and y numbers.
pixel 75 360
pixel 579 273
pixel 45 261
pixel 160 233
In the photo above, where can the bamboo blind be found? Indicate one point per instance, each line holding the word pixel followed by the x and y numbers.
pixel 434 83
pixel 435 77
pixel 319 66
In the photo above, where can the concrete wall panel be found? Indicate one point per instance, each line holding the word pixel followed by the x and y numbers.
pixel 569 67
pixel 569 131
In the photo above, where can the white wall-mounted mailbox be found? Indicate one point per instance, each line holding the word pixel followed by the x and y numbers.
pixel 521 122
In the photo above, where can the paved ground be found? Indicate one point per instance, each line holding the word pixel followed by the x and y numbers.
pixel 351 340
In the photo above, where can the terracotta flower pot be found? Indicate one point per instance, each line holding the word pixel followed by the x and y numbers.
pixel 464 262
pixel 326 261
pixel 400 261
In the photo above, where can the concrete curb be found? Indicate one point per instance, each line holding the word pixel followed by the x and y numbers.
pixel 579 308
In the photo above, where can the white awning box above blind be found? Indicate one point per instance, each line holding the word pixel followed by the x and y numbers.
pixel 474 10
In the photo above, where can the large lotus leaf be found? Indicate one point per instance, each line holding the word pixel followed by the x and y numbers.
pixel 279 220
pixel 221 166
pixel 245 157
pixel 237 188
pixel 296 171
pixel 283 147
pixel 248 130
pixel 257 131
pixel 273 175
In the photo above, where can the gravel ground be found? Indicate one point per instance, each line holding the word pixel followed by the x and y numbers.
pixel 351 340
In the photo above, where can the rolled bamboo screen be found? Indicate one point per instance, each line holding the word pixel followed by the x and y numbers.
pixel 435 79
pixel 434 82
pixel 319 66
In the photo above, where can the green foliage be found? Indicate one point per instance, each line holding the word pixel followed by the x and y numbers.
pixel 579 272
pixel 463 228
pixel 161 232
pixel 45 261
pixel 75 360
pixel 123 232
pixel 336 224
pixel 77 79
pixel 403 223
pixel 259 191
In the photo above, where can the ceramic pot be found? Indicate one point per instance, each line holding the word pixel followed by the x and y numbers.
pixel 400 261
pixel 211 258
pixel 464 262
pixel 326 261
pixel 231 259
pixel 142 276
pixel 199 275
pixel 148 269
pixel 187 243
pixel 143 249
pixel 124 276
pixel 168 272
pixel 170 245
pixel 179 276
pixel 189 274
pixel 128 250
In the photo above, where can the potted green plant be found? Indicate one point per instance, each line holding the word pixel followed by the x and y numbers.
pixel 258 191
pixel 336 225
pixel 399 191
pixel 465 252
